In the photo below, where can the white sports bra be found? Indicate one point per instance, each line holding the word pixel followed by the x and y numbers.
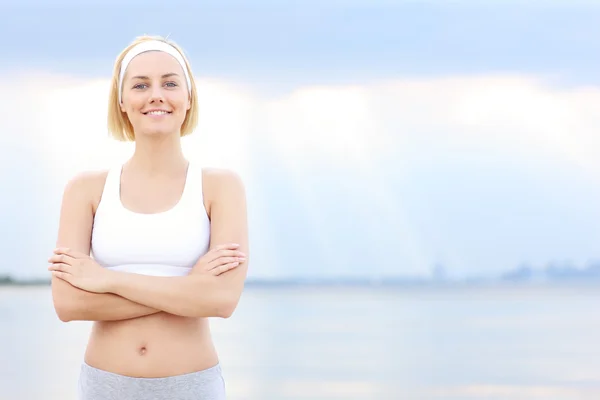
pixel 168 243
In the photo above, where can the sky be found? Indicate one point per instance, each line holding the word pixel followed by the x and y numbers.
pixel 374 138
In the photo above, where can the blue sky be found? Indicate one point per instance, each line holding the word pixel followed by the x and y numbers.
pixel 375 138
pixel 315 40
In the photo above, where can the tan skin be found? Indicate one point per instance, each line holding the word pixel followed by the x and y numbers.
pixel 148 326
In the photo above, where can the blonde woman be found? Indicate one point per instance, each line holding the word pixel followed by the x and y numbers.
pixel 168 243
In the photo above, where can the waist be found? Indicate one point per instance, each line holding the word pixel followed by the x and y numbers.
pixel 152 346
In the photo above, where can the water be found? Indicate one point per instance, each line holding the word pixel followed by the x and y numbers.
pixel 351 343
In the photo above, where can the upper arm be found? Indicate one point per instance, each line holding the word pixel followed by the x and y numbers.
pixel 229 224
pixel 76 215
pixel 75 224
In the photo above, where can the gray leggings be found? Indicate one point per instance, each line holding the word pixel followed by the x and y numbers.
pixel 96 384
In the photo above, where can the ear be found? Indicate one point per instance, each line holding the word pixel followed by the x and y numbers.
pixel 122 107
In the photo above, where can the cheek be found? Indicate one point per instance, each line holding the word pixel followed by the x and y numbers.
pixel 182 108
pixel 131 105
pixel 179 102
pixel 132 114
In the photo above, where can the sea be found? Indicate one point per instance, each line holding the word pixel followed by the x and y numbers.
pixel 351 342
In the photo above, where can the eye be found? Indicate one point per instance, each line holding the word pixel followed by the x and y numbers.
pixel 171 84
pixel 139 86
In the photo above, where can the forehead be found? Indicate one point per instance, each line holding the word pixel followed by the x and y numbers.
pixel 153 63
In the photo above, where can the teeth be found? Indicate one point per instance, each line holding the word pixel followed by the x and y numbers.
pixel 157 113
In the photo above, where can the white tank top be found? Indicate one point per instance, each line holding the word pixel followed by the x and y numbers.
pixel 163 244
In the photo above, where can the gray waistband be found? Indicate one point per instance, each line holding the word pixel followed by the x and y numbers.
pixel 96 384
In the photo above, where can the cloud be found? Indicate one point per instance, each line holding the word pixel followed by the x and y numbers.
pixel 479 173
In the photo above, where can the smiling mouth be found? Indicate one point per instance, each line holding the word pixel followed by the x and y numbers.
pixel 157 113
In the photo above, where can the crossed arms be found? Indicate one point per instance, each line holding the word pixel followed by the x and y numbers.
pixel 196 295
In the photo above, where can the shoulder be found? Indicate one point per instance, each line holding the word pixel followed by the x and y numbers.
pixel 86 186
pixel 222 181
pixel 87 181
pixel 222 186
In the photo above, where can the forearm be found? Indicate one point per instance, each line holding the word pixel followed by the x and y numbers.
pixel 86 306
pixel 194 295
pixel 109 307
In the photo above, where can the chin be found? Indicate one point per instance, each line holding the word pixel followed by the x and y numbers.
pixel 157 132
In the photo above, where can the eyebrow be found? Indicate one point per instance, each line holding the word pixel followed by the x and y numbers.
pixel 163 77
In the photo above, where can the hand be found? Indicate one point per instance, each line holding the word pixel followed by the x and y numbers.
pixel 219 260
pixel 79 270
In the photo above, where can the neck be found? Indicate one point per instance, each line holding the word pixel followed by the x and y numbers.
pixel 158 155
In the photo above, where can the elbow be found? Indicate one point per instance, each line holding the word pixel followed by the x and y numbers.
pixel 220 307
pixel 65 317
pixel 227 306
pixel 66 301
pixel 64 307
pixel 221 302
pixel 63 311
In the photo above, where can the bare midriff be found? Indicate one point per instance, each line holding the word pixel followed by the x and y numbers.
pixel 153 346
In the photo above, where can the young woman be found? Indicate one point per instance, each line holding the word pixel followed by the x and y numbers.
pixel 168 240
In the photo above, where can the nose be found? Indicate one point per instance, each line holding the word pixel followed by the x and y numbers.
pixel 156 94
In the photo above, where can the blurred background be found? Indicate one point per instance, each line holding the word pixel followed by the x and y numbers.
pixel 423 188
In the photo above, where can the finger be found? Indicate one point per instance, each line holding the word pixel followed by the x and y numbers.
pixel 227 254
pixel 62 275
pixel 69 252
pixel 224 260
pixel 60 267
pixel 61 250
pixel 234 253
pixel 219 251
pixel 224 268
pixel 226 246
pixel 61 258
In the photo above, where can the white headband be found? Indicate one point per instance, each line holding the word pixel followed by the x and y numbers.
pixel 152 45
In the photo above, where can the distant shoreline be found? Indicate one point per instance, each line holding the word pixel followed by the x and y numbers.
pixel 553 274
pixel 8 281
pixel 381 283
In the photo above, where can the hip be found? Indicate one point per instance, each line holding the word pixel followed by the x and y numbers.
pixel 98 384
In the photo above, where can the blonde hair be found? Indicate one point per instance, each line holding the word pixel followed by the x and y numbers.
pixel 119 125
